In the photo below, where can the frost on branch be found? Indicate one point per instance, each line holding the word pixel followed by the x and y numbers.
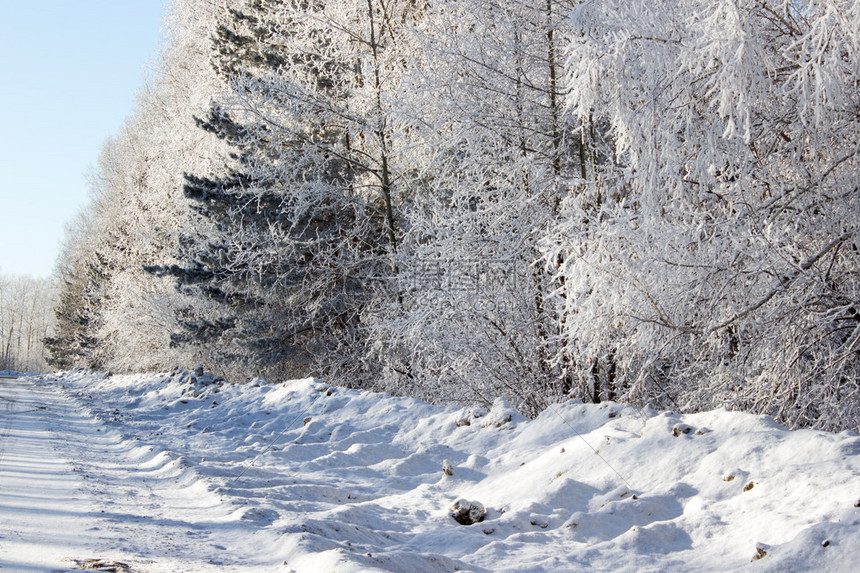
pixel 725 268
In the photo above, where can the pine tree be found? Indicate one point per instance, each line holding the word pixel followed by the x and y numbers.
pixel 74 342
pixel 303 224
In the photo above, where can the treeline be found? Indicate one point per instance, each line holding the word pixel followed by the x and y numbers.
pixel 26 318
pixel 459 200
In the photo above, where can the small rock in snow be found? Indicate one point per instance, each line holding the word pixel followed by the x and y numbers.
pixel 679 429
pixel 760 551
pixel 467 512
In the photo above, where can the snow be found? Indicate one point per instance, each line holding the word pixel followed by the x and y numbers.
pixel 182 472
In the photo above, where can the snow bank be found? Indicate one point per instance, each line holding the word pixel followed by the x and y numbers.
pixel 328 479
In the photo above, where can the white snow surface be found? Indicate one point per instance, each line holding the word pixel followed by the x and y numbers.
pixel 177 472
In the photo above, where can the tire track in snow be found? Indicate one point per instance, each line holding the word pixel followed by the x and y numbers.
pixel 5 428
pixel 41 511
pixel 8 410
pixel 71 489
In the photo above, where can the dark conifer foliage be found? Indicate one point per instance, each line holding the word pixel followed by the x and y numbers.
pixel 75 340
pixel 283 251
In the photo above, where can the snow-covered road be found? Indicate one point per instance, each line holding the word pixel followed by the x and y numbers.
pixel 46 516
pixel 181 472
pixel 74 494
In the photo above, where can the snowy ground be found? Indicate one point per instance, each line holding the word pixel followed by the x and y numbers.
pixel 175 472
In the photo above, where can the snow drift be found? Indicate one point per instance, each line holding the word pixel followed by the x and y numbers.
pixel 322 478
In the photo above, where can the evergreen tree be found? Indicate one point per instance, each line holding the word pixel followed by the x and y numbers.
pixel 74 342
pixel 303 216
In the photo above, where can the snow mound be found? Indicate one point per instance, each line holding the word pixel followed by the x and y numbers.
pixel 325 478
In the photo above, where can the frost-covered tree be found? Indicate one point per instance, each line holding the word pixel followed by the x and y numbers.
pixel 80 285
pixel 141 177
pixel 304 224
pixel 648 201
pixel 498 156
pixel 719 265
pixel 112 314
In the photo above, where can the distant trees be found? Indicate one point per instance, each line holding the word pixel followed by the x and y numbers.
pixel 75 341
pixel 640 201
pixel 26 318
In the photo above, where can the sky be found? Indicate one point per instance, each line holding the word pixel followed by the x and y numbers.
pixel 71 72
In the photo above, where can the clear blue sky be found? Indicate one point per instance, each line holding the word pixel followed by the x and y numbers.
pixel 71 70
